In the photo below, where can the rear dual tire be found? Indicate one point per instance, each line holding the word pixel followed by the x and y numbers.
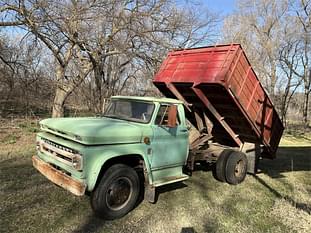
pixel 231 167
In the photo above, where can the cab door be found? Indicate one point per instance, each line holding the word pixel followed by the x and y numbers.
pixel 170 144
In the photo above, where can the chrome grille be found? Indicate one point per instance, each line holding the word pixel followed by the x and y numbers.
pixel 61 153
pixel 61 147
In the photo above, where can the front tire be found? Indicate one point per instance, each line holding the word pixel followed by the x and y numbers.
pixel 117 192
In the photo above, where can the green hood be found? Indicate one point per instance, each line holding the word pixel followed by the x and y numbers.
pixel 93 130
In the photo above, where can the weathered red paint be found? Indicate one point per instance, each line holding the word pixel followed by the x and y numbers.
pixel 221 79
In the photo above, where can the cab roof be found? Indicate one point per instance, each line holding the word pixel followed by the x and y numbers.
pixel 149 99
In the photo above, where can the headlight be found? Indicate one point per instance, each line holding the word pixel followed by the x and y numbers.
pixel 77 161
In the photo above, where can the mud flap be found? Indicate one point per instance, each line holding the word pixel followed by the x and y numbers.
pixel 252 151
pixel 150 194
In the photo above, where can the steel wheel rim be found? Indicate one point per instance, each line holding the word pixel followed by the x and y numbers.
pixel 119 193
pixel 239 168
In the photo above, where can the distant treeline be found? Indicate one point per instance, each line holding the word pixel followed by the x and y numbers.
pixel 67 58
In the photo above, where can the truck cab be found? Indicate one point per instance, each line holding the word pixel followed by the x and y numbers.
pixel 138 141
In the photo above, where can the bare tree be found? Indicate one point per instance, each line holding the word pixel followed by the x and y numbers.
pixel 304 15
pixel 299 63
pixel 133 35
pixel 8 68
pixel 276 36
pixel 257 26
pixel 54 24
pixel 25 84
pixel 106 41
pixel 290 82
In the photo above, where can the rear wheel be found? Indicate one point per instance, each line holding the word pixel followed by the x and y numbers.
pixel 117 192
pixel 236 167
pixel 220 167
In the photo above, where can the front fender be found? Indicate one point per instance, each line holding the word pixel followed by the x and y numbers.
pixel 97 156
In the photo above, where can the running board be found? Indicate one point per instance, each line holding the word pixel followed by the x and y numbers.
pixel 169 180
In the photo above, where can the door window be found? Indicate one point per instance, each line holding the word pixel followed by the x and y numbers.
pixel 162 116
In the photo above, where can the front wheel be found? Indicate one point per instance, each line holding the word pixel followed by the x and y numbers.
pixel 117 192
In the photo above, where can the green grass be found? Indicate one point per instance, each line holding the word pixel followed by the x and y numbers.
pixel 31 127
pixel 277 200
pixel 9 139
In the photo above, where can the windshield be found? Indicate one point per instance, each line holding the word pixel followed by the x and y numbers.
pixel 130 110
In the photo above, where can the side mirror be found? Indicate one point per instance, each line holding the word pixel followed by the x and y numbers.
pixel 172 116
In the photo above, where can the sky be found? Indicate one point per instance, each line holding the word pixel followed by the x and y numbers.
pixel 222 6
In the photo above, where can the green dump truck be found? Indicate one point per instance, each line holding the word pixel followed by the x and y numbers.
pixel 141 143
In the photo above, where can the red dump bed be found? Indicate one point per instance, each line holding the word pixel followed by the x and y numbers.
pixel 223 77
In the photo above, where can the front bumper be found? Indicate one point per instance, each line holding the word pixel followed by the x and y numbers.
pixel 61 179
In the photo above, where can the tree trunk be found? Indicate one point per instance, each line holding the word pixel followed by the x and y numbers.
pixel 60 94
pixel 98 92
pixel 59 101
pixel 273 81
pixel 307 81
pixel 306 108
pixel 285 101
